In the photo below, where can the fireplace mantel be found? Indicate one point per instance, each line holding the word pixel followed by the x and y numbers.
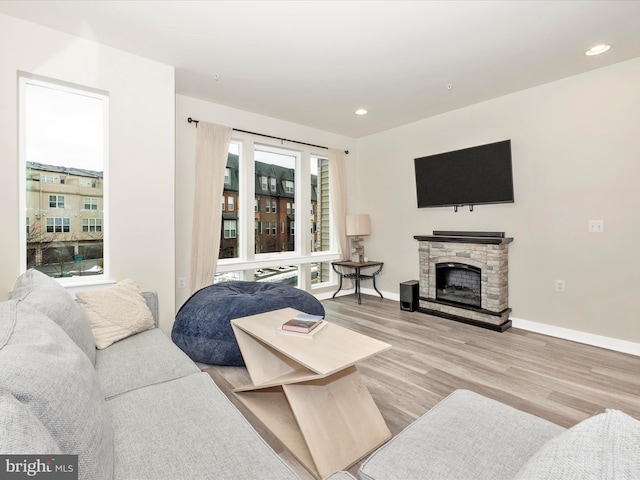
pixel 464 239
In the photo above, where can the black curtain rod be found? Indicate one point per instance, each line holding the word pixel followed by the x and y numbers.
pixel 191 120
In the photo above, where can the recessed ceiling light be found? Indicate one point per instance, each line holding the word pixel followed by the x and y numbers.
pixel 597 50
pixel 361 111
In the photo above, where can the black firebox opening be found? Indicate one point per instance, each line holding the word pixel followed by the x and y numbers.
pixel 458 283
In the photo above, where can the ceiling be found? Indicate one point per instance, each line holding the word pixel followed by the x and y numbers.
pixel 315 62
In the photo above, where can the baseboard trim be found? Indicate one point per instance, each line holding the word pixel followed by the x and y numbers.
pixel 577 336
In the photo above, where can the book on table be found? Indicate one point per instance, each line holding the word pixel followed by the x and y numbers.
pixel 302 323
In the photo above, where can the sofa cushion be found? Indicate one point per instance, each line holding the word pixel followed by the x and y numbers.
pixel 116 312
pixel 464 436
pixel 156 359
pixel 20 430
pixel 606 446
pixel 48 373
pixel 181 419
pixel 37 290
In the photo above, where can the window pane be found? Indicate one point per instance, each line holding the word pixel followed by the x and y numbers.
pixel 287 275
pixel 320 272
pixel 320 210
pixel 276 170
pixel 229 238
pixel 226 277
pixel 64 152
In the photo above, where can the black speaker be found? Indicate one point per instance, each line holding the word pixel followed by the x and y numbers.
pixel 409 295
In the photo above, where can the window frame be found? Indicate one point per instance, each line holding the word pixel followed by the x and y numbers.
pixel 57 203
pixel 25 79
pixel 97 225
pixel 234 229
pixel 91 203
pixel 251 191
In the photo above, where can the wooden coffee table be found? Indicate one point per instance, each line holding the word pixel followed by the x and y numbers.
pixel 308 392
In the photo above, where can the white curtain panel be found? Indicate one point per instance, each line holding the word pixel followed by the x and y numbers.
pixel 212 148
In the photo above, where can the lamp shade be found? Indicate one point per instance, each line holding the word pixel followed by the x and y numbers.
pixel 358 225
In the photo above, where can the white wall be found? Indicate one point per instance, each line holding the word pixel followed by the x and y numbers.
pixel 185 159
pixel 142 99
pixel 576 157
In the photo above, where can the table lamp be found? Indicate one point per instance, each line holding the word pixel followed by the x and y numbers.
pixel 357 226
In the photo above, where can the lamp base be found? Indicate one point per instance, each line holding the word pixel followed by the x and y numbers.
pixel 357 253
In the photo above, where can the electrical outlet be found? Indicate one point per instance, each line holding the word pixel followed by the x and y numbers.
pixel 596 226
pixel 561 286
pixel 182 282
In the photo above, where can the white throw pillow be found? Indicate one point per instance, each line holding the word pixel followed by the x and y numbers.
pixel 116 312
pixel 603 447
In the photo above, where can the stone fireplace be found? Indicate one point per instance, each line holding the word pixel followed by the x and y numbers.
pixel 464 276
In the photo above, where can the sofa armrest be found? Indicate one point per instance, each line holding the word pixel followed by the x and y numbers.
pixel 151 297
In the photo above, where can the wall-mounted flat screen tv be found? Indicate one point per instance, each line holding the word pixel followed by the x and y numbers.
pixel 471 176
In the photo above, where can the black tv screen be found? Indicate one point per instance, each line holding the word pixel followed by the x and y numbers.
pixel 471 176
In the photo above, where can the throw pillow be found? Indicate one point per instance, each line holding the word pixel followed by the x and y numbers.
pixel 116 312
pixel 48 373
pixel 45 294
pixel 606 446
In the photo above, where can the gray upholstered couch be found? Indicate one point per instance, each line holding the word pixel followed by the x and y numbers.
pixel 138 409
pixel 469 437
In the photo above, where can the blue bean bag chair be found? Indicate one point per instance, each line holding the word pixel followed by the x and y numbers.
pixel 203 330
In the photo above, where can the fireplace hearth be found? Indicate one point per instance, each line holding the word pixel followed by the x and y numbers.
pixel 464 277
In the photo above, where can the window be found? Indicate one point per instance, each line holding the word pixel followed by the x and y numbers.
pixel 56 201
pixel 63 149
pixel 229 229
pixel 91 225
pixel 320 207
pixel 288 186
pixel 90 203
pixel 278 165
pixel 58 225
pixel 231 203
pixel 285 246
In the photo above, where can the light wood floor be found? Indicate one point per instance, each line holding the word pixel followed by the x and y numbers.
pixel 561 381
